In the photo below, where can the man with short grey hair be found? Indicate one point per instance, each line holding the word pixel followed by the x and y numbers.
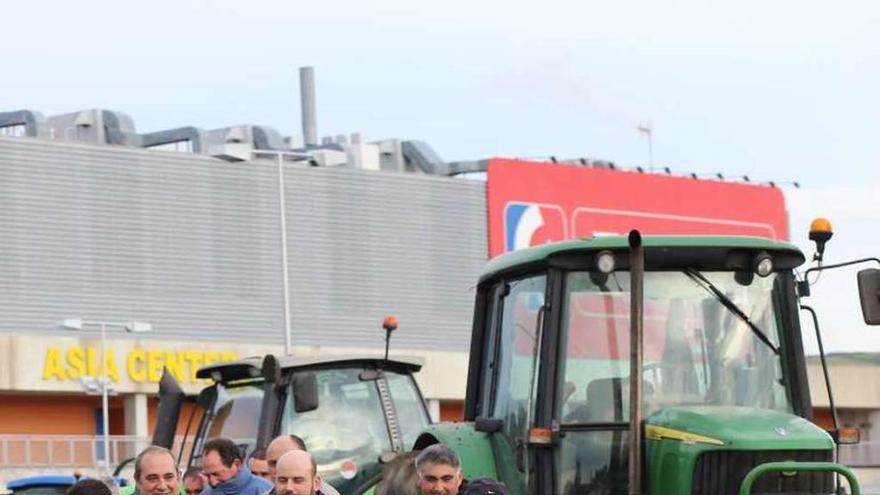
pixel 155 472
pixel 439 470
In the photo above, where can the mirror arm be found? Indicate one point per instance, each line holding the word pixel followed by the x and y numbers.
pixel 839 265
pixel 803 286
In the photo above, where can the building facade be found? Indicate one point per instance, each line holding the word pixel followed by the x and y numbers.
pixel 98 228
pixel 191 244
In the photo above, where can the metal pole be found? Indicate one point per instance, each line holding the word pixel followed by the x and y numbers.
pixel 104 406
pixel 637 271
pixel 648 131
pixel 307 105
pixel 824 364
pixel 282 211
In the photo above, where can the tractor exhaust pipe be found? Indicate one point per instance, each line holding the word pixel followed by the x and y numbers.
pixel 637 278
pixel 170 402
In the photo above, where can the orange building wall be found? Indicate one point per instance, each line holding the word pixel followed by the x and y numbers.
pixel 32 414
pixel 44 414
pixel 451 410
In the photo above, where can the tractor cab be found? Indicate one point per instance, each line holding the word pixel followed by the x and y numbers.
pixel 718 372
pixel 350 411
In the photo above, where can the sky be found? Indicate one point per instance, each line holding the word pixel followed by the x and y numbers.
pixel 781 91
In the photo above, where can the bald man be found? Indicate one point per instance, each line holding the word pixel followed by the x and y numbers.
pixel 297 474
pixel 281 445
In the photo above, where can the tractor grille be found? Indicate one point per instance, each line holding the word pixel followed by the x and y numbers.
pixel 721 472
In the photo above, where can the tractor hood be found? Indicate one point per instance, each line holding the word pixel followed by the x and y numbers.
pixel 736 428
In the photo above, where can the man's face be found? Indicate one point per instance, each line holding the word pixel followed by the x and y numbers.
pixel 260 467
pixel 295 478
pixel 158 475
pixel 439 479
pixel 275 450
pixel 194 485
pixel 215 471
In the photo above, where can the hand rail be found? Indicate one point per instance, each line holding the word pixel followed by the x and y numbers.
pixel 762 469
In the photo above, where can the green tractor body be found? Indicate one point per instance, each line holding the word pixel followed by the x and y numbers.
pixel 720 371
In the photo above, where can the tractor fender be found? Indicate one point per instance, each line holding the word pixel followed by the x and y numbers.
pixel 474 448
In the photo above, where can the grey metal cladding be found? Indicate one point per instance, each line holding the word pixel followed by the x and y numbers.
pixel 191 244
pixel 366 244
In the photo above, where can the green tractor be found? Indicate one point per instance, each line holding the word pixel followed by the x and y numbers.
pixel 352 412
pixel 661 365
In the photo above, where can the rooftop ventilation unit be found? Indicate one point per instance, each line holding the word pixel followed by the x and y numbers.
pixel 186 139
pixel 93 126
pixel 23 123
pixel 239 143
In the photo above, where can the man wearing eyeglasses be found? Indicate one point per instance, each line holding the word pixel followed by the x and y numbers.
pixel 439 470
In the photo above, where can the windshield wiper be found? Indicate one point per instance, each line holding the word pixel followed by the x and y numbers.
pixel 731 306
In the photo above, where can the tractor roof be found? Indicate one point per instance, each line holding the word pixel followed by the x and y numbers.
pixel 538 255
pixel 250 367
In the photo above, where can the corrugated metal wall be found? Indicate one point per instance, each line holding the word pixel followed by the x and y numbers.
pixel 192 245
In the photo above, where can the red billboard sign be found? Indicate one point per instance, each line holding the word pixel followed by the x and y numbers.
pixel 532 203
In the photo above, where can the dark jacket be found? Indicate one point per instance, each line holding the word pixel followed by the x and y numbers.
pixel 325 489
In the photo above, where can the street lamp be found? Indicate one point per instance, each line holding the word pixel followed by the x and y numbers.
pixel 282 210
pixel 132 327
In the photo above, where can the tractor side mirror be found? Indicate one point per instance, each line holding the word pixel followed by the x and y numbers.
pixel 488 425
pixel 869 293
pixel 305 392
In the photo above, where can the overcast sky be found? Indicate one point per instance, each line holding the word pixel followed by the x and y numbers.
pixel 782 90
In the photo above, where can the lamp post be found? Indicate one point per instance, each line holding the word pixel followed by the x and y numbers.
pixel 282 212
pixel 133 327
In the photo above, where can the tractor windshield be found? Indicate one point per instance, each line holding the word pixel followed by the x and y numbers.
pixel 349 431
pixel 700 347
pixel 710 339
pixel 233 415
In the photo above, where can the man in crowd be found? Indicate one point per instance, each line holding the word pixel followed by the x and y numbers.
pixel 279 446
pixel 223 466
pixel 193 481
pixel 259 466
pixel 89 486
pixel 155 472
pixel 439 470
pixel 289 443
pixel 297 474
